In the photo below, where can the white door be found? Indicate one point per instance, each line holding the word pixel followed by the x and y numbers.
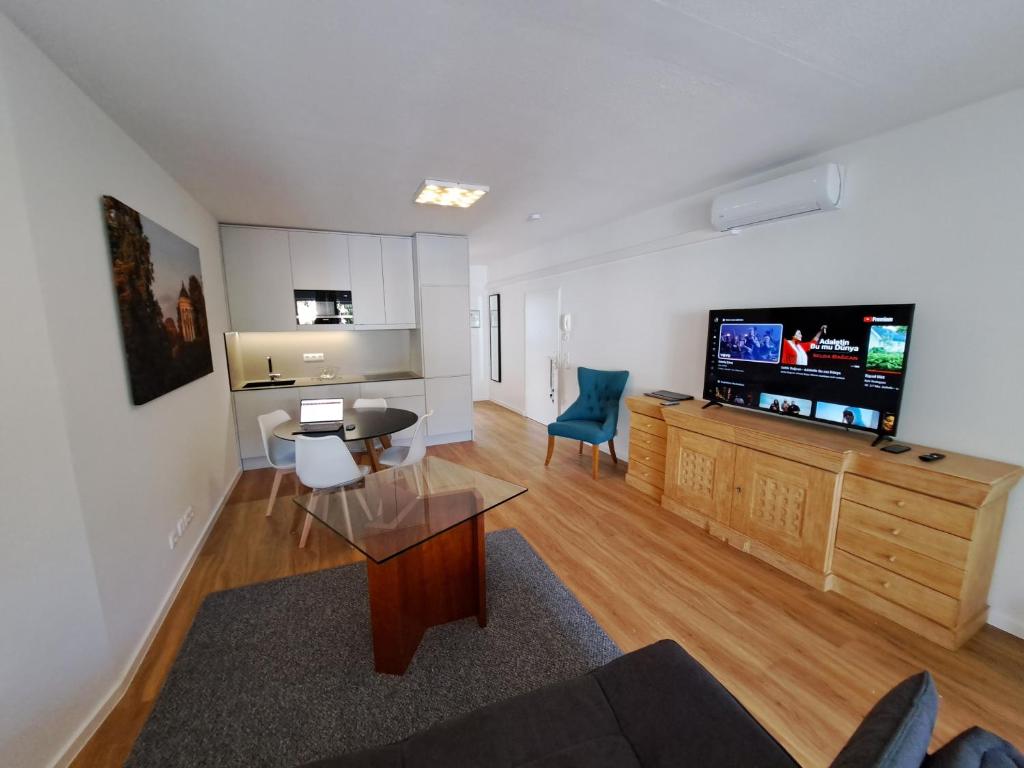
pixel 541 358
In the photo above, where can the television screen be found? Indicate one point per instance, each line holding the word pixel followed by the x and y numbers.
pixel 838 365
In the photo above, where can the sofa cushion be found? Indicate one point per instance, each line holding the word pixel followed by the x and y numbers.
pixel 977 748
pixel 896 732
pixel 650 708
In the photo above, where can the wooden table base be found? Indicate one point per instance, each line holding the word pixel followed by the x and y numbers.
pixel 440 580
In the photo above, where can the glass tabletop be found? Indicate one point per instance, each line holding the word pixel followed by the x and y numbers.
pixel 399 508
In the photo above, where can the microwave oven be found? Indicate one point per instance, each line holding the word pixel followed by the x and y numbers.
pixel 323 308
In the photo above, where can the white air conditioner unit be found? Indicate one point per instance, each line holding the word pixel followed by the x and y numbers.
pixel 817 189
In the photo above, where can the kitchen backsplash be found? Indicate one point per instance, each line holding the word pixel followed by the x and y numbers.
pixel 348 352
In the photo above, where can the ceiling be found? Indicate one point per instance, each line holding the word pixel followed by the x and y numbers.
pixel 329 114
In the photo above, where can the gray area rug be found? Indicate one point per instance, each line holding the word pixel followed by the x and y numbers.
pixel 280 673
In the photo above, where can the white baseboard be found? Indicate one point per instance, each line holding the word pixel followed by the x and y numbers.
pixel 454 437
pixel 106 706
pixel 1006 622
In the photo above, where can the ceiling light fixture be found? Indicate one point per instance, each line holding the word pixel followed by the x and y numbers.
pixel 450 193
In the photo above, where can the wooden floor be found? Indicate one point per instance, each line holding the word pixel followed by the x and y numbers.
pixel 808 664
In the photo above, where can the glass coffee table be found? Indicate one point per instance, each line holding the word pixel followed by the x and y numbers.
pixel 421 528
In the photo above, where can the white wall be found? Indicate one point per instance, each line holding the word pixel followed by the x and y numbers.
pixel 479 338
pixel 930 216
pixel 92 484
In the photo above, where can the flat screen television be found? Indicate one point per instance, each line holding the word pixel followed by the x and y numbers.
pixel 844 366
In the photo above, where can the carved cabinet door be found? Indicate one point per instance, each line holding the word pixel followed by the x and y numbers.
pixel 698 472
pixel 785 505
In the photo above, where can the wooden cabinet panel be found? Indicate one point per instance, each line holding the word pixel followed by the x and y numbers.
pixel 641 455
pixel 785 505
pixel 319 261
pixel 648 474
pixel 698 473
pixel 927 510
pixel 258 273
pixel 399 281
pixel 367 279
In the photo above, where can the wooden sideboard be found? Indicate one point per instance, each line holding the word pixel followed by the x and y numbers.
pixel 913 541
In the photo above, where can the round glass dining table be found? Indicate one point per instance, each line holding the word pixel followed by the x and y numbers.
pixel 360 424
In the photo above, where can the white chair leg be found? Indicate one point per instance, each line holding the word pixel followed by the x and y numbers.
pixel 273 491
pixel 309 520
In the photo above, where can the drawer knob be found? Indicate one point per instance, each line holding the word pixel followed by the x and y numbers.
pixel 901 503
pixel 886 585
pixel 895 531
pixel 891 558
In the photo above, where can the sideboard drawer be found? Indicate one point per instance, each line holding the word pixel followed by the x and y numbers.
pixel 897 558
pixel 937 545
pixel 646 473
pixel 897 589
pixel 927 510
pixel 647 442
pixel 647 424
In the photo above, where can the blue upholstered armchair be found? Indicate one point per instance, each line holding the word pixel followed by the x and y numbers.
pixel 595 414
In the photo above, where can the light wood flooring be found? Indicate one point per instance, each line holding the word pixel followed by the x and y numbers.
pixel 807 664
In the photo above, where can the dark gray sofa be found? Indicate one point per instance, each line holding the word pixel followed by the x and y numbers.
pixel 658 708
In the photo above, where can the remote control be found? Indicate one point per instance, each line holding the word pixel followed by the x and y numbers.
pixel 931 456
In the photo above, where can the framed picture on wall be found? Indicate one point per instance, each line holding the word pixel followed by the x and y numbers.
pixel 159 288
pixel 494 308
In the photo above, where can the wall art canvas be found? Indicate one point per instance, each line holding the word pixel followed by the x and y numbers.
pixel 159 286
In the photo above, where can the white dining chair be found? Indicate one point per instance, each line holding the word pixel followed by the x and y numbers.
pixel 325 463
pixel 280 453
pixel 402 455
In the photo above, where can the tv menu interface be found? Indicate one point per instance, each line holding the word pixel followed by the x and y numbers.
pixel 839 365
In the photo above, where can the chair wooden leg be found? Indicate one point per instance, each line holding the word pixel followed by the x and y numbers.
pixel 273 491
pixel 611 447
pixel 597 454
pixel 309 521
pixel 581 447
pixel 551 449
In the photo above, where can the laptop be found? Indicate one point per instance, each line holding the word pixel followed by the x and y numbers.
pixel 324 415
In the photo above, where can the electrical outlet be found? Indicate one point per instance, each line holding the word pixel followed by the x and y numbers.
pixel 189 514
pixel 172 539
pixel 313 357
pixel 180 527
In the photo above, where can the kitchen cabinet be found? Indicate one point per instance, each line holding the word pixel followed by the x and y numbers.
pixel 444 329
pixel 399 281
pixel 367 279
pixel 451 400
pixel 442 259
pixel 319 261
pixel 257 270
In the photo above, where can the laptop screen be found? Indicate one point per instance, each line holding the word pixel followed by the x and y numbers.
pixel 313 411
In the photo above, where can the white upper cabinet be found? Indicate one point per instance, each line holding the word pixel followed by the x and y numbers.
pixel 367 279
pixel 442 259
pixel 259 279
pixel 399 281
pixel 320 261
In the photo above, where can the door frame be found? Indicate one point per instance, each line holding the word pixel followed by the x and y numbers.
pixel 557 290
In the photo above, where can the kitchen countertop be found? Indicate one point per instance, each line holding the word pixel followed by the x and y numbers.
pixel 341 378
